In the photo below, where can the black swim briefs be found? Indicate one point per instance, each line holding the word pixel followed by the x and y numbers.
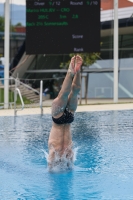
pixel 66 118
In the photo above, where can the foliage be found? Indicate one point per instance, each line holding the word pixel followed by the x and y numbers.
pixel 88 59
pixel 12 28
pixel 19 24
pixel 2 25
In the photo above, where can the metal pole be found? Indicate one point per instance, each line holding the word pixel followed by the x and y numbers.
pixel 41 91
pixel 15 97
pixel 116 51
pixel 6 54
pixel 80 99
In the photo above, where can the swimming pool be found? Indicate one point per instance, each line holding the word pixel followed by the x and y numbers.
pixel 103 168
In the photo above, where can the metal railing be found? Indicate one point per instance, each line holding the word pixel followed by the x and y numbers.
pixel 15 99
pixel 17 82
pixel 14 86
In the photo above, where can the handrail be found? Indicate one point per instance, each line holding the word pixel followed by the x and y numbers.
pixel 41 93
pixel 25 85
pixel 16 90
pixel 15 98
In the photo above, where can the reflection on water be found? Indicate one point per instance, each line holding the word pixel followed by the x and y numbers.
pixel 103 162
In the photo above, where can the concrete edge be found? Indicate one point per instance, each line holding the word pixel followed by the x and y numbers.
pixel 83 108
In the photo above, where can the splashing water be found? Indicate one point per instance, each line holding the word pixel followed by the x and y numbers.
pixel 61 163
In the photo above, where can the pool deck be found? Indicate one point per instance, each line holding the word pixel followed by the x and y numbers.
pixel 81 108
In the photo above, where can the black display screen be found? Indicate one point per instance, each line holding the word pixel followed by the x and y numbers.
pixel 62 27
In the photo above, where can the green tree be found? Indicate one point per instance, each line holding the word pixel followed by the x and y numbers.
pixel 12 28
pixel 2 25
pixel 19 24
pixel 88 59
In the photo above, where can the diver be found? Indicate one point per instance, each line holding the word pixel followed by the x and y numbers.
pixel 63 108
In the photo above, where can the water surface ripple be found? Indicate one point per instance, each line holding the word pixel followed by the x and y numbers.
pixel 103 168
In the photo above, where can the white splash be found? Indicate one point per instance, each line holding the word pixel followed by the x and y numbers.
pixel 61 163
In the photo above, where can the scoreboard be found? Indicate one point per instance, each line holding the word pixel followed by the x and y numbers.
pixel 62 27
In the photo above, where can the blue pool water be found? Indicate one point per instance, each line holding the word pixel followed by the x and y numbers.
pixel 103 169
